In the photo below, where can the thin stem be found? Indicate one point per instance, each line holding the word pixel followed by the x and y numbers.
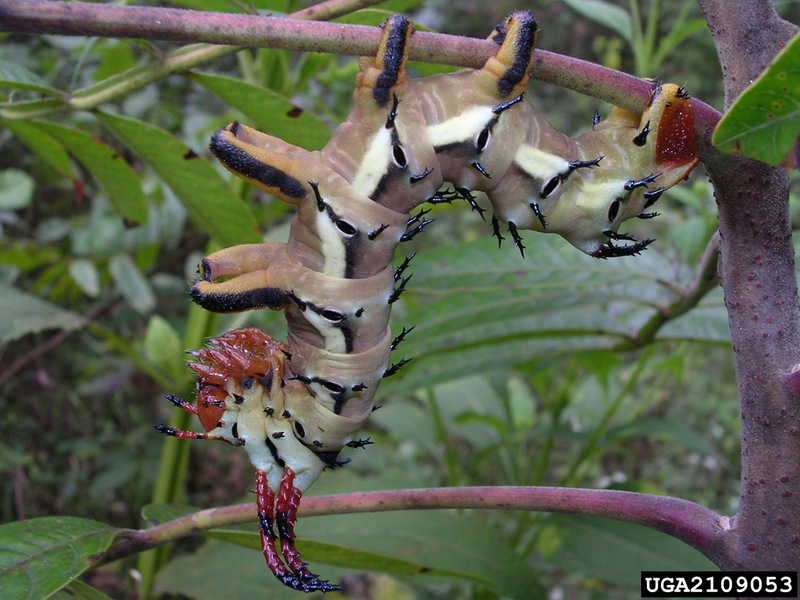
pixel 41 16
pixel 599 431
pixel 705 279
pixel 696 525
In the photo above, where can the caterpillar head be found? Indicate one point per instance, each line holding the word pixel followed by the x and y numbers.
pixel 620 170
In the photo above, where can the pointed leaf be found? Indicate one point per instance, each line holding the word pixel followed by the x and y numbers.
pixel 341 556
pixel 15 76
pixel 85 275
pixel 106 166
pixel 269 111
pixel 24 314
pixel 202 190
pixel 44 146
pixel 476 309
pixel 571 542
pixel 77 590
pixel 131 283
pixel 40 556
pixel 606 14
pixel 764 121
pixel 16 189
pixel 163 347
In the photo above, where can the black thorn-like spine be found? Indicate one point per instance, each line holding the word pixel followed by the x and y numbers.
pixel 400 337
pixel 398 272
pixel 512 229
pixel 496 231
pixel 397 366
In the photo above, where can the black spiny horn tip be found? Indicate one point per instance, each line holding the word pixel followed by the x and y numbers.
pixel 609 250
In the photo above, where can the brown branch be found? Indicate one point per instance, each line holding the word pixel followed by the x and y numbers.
pixel 695 525
pixel 757 272
pixel 166 24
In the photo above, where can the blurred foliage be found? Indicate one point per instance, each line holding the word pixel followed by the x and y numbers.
pixel 104 215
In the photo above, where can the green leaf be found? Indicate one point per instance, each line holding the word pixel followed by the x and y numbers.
pixel 24 314
pixel 572 543
pixel 653 427
pixel 40 556
pixel 18 77
pixel 269 111
pixel 436 544
pixel 341 556
pixel 84 273
pixel 106 166
pixel 476 309
pixel 605 14
pixel 44 146
pixel 131 283
pixel 77 590
pixel 16 189
pixel 163 348
pixel 207 197
pixel 764 121
pixel 457 545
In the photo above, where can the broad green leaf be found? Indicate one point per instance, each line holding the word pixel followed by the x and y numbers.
pixel 115 56
pixel 462 544
pixel 44 146
pixel 130 282
pixel 764 121
pixel 24 314
pixel 40 556
pixel 463 541
pixel 341 556
pixel 85 275
pixel 106 166
pixel 269 111
pixel 654 428
pixel 211 203
pixel 614 551
pixel 606 14
pixel 16 189
pixel 77 590
pixel 156 514
pixel 162 345
pixel 18 77
pixel 436 544
pixel 476 309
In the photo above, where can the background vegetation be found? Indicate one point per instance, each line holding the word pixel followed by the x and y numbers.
pixel 513 382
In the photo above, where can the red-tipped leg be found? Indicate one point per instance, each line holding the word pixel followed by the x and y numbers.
pixel 283 513
pixel 285 517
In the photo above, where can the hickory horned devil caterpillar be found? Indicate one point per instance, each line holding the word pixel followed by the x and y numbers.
pixel 293 407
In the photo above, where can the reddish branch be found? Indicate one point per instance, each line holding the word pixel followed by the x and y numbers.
pixel 695 525
pixel 757 272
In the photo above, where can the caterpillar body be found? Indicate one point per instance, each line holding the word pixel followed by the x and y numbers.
pixel 293 407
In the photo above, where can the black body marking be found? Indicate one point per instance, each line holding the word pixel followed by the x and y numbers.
pixel 522 55
pixel 243 163
pixel 273 450
pixel 641 139
pixel 537 211
pixel 393 57
pixel 272 298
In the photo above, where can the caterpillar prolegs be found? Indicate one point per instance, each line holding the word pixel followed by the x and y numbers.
pixel 293 407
